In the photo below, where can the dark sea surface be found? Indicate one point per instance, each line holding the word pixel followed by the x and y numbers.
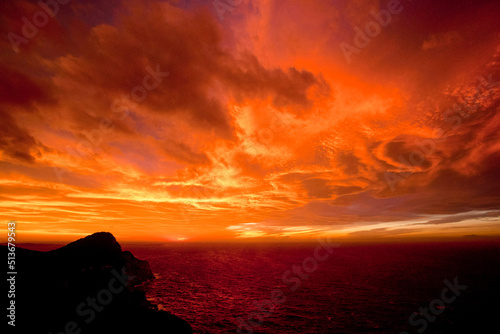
pixel 218 288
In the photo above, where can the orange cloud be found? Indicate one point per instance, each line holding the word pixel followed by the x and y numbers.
pixel 158 121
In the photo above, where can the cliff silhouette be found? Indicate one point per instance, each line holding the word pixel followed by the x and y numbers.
pixel 87 286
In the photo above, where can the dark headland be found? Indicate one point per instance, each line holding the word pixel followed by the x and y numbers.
pixel 87 286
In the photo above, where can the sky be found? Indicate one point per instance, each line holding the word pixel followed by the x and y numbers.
pixel 250 120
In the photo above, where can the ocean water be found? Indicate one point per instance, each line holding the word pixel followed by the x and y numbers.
pixel 240 288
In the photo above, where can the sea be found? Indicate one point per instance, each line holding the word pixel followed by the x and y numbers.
pixel 310 288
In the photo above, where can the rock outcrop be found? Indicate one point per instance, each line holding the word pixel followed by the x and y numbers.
pixel 87 286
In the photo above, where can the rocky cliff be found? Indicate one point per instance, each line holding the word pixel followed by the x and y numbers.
pixel 87 286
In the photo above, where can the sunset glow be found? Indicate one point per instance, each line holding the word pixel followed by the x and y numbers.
pixel 174 121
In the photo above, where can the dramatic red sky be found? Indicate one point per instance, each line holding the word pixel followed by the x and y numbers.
pixel 266 119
